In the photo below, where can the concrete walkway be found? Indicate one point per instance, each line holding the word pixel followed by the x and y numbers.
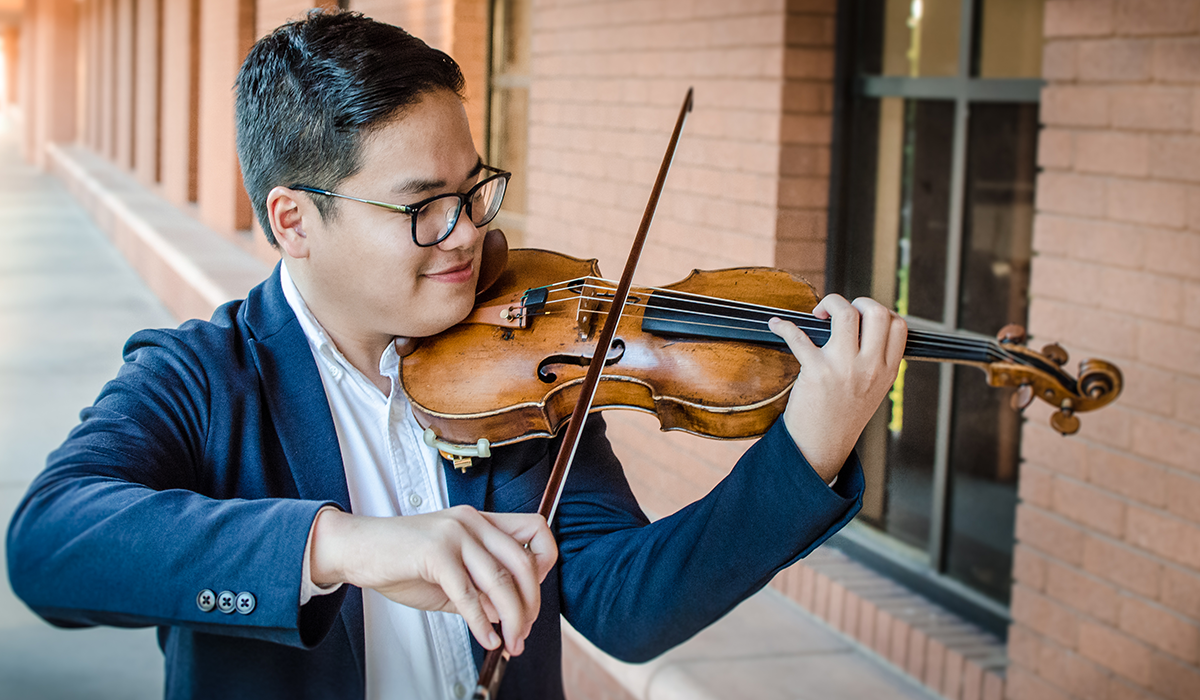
pixel 68 301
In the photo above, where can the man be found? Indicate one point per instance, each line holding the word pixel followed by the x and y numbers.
pixel 255 485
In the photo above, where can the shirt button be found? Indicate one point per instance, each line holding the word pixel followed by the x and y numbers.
pixel 245 602
pixel 414 499
pixel 225 601
pixel 460 690
pixel 206 600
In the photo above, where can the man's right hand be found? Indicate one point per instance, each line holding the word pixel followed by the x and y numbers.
pixel 487 567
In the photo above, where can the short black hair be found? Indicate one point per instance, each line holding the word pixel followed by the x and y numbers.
pixel 309 92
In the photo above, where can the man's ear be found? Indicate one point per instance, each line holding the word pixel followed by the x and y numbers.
pixel 286 210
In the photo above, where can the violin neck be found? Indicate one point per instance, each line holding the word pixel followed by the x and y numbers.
pixel 700 317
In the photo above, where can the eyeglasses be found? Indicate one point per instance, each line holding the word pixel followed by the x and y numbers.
pixel 433 219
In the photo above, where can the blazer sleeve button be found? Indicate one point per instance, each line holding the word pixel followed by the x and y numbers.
pixel 225 602
pixel 245 602
pixel 206 600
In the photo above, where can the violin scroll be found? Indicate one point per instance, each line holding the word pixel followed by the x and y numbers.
pixel 1040 375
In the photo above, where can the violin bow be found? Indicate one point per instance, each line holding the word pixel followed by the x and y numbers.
pixel 496 660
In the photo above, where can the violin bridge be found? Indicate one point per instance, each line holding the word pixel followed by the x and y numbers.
pixel 585 315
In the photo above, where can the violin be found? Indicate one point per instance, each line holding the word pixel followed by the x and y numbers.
pixel 696 353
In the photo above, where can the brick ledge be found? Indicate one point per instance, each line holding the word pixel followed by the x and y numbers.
pixel 948 655
pixel 191 268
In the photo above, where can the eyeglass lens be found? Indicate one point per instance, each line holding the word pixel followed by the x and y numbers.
pixel 438 218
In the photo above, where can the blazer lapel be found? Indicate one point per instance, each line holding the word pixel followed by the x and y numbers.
pixel 301 415
pixel 302 418
pixel 294 395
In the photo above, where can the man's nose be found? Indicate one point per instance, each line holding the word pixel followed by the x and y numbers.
pixel 465 234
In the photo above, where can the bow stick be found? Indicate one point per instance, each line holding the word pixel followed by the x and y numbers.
pixel 497 659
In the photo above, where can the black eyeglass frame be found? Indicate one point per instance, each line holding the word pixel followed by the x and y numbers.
pixel 464 202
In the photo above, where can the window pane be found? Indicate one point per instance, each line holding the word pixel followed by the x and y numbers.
pixel 1010 39
pixel 898 219
pixel 897 451
pixel 924 208
pixel 509 141
pixel 920 37
pixel 998 215
pixel 508 113
pixel 985 437
pixel 984 458
pixel 898 225
pixel 510 54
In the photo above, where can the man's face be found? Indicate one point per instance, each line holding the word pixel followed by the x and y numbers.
pixel 365 276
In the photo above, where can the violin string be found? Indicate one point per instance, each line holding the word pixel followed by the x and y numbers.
pixel 918 340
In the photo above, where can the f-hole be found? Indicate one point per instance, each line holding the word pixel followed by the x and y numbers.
pixel 549 377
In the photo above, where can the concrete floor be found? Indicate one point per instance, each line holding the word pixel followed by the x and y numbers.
pixel 68 301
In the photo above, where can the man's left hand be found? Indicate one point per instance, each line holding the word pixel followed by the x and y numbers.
pixel 841 384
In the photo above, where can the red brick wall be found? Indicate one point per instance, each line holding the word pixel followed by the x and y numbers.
pixel 226 34
pixel 48 54
pixel 1106 602
pixel 805 133
pixel 147 69
pixel 180 64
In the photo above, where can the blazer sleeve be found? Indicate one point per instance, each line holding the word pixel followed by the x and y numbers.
pixel 636 589
pixel 124 527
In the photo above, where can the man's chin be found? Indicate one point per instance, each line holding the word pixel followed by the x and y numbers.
pixel 434 327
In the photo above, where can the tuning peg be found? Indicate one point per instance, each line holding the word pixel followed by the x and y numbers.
pixel 1012 334
pixel 1056 354
pixel 1065 423
pixel 1022 397
pixel 1065 420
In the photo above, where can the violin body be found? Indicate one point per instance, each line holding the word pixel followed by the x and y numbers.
pixel 724 389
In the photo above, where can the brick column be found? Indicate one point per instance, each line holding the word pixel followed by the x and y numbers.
pixel 147 72
pixel 12 62
pixel 106 75
pixel 806 135
pixel 458 27
pixel 226 34
pixel 180 91
pixel 89 134
pixel 123 77
pixel 1106 599
pixel 50 113
pixel 25 84
pixel 469 48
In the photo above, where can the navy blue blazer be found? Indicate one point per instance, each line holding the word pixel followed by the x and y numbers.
pixel 202 466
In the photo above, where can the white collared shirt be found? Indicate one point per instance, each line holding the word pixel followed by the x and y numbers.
pixel 390 471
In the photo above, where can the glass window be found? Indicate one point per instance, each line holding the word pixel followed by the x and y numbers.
pixel 935 213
